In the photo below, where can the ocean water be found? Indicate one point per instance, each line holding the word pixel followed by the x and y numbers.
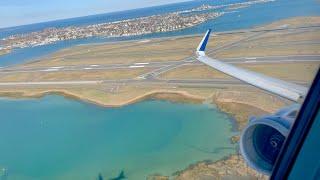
pixel 58 138
pixel 243 18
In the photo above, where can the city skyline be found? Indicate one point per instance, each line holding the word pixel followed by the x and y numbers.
pixel 22 12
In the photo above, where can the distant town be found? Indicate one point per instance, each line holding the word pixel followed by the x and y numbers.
pixel 130 27
pixel 138 26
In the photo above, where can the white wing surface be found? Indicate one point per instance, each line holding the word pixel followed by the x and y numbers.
pixel 282 88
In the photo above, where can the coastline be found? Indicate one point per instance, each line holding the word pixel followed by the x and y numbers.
pixel 265 26
pixel 173 96
pixel 231 165
pixel 229 103
pixel 178 96
pixel 5 51
pixel 227 166
pixel 238 111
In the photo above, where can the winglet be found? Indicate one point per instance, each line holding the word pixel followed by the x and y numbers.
pixel 202 46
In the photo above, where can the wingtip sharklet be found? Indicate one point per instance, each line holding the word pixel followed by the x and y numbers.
pixel 203 44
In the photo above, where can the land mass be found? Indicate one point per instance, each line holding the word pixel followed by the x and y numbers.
pixel 4 51
pixel 128 27
pixel 117 74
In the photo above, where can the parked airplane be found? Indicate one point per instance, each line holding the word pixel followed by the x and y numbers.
pixel 263 137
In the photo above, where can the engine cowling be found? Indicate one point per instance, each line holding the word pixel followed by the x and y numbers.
pixel 262 139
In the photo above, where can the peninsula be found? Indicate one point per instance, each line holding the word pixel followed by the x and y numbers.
pixel 131 27
pixel 128 27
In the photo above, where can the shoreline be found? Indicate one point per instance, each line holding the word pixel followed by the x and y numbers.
pixel 5 51
pixel 166 95
pixel 229 165
pixel 139 38
pixel 179 96
pixel 176 96
pixel 172 96
pixel 232 164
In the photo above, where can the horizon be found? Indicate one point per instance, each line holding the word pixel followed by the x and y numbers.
pixel 154 3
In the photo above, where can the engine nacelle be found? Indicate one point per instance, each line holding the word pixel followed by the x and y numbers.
pixel 263 137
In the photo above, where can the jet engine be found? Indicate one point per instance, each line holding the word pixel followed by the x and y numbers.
pixel 263 137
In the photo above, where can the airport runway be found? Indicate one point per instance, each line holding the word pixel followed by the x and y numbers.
pixel 151 77
pixel 165 66
pixel 173 82
pixel 240 60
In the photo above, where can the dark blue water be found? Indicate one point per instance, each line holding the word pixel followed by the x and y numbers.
pixel 254 15
pixel 55 138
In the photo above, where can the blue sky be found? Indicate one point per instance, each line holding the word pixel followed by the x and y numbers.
pixel 18 12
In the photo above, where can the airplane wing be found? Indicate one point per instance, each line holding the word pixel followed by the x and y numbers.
pixel 279 87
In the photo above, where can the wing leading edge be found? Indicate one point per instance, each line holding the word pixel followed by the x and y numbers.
pixel 282 88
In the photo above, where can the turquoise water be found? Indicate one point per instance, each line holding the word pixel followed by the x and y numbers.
pixel 58 138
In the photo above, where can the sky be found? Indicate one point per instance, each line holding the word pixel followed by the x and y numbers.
pixel 19 12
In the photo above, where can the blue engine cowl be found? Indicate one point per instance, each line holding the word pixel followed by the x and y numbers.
pixel 262 139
